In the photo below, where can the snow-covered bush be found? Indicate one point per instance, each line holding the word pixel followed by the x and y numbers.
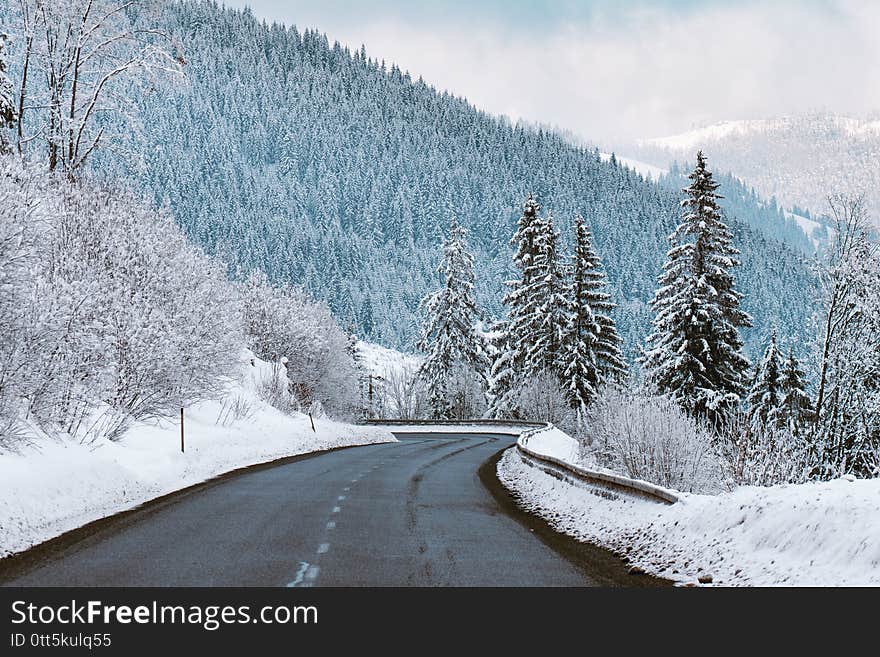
pixel 465 394
pixel 649 437
pixel 765 454
pixel 283 322
pixel 402 394
pixel 109 314
pixel 274 388
pixel 541 398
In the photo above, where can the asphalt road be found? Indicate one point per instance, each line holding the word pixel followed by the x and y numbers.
pixel 414 513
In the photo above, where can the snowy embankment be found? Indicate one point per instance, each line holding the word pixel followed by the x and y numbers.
pixel 58 484
pixel 810 534
pixel 383 362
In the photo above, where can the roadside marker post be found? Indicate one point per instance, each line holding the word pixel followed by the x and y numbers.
pixel 313 423
pixel 181 431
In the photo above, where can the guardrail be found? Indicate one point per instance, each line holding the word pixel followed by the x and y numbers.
pixel 551 465
pixel 516 426
pixel 565 471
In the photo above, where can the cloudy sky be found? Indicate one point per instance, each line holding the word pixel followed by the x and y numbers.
pixel 612 70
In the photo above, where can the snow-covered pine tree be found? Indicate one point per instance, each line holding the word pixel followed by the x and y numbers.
pixel 543 350
pixel 591 345
pixel 8 112
pixel 450 337
pixel 695 350
pixel 522 317
pixel 796 406
pixel 765 396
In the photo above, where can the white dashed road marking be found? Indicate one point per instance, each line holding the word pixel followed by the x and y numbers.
pixel 300 574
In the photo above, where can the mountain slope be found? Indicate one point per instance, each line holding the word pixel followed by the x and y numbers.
pixel 800 160
pixel 325 168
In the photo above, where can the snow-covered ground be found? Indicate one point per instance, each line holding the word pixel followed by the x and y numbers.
pixel 381 361
pixel 555 443
pixel 820 534
pixel 647 171
pixel 56 485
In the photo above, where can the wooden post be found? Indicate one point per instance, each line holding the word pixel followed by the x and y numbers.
pixel 313 422
pixel 181 430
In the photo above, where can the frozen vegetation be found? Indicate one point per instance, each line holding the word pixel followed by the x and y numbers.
pixel 325 168
pixel 813 534
pixel 55 483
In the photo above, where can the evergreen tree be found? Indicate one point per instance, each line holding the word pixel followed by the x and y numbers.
pixel 591 345
pixel 333 164
pixel 796 406
pixel 765 396
pixel 523 322
pixel 695 350
pixel 449 336
pixel 543 351
pixel 8 112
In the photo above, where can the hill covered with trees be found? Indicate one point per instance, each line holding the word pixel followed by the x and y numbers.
pixel 326 168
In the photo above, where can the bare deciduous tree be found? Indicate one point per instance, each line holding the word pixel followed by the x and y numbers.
pixel 847 413
pixel 75 53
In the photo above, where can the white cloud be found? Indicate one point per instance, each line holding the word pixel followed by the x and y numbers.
pixel 643 71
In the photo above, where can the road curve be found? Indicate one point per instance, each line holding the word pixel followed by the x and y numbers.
pixel 413 513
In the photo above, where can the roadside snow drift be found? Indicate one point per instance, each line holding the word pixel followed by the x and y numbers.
pixel 816 534
pixel 58 484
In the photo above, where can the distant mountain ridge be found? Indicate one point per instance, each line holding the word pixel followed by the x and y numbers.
pixel 799 160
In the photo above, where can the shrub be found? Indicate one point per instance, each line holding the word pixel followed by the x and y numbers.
pixel 649 437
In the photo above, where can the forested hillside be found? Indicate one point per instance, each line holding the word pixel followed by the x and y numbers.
pixel 326 168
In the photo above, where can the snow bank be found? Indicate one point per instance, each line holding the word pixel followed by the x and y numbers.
pixel 58 484
pixel 647 171
pixel 817 534
pixel 554 443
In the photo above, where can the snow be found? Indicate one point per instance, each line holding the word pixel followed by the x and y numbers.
pixel 699 137
pixel 57 484
pixel 554 443
pixel 816 534
pixel 381 361
pixel 647 171
pixel 807 225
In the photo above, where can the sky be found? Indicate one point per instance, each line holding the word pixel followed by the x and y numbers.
pixel 612 71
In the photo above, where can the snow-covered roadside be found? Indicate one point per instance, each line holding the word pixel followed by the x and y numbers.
pixel 57 485
pixel 818 534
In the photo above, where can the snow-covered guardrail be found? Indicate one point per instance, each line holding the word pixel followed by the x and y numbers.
pixel 576 474
pixel 549 463
pixel 507 427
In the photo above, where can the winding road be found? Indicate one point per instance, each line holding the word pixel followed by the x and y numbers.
pixel 426 511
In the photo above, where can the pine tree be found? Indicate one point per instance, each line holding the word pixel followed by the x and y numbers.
pixel 765 396
pixel 522 322
pixel 695 350
pixel 543 351
pixel 796 407
pixel 591 345
pixel 8 112
pixel 449 336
